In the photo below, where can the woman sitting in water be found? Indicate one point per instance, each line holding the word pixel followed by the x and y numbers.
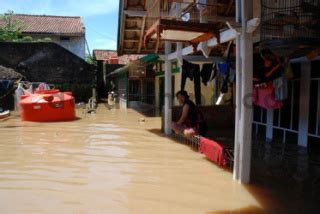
pixel 191 121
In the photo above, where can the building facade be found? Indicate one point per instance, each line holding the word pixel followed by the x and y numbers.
pixel 66 31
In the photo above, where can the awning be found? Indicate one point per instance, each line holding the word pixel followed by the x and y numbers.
pixel 149 58
pixel 121 70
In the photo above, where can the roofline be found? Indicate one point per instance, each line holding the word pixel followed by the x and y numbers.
pixel 104 50
pixel 54 34
pixel 21 14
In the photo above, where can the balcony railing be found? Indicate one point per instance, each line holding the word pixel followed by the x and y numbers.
pixel 294 19
pixel 290 28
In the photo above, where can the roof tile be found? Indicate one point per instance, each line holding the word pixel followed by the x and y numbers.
pixel 43 24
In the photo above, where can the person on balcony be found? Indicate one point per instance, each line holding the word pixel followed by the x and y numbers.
pixel 191 121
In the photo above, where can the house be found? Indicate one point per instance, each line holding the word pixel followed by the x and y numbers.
pixel 108 61
pixel 134 83
pixel 190 30
pixel 67 31
pixel 132 34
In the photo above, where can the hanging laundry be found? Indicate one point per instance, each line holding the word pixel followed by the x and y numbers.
pixel 188 70
pixel 266 70
pixel 43 87
pixel 280 86
pixel 30 89
pixel 213 151
pixel 264 96
pixel 225 84
pixel 18 93
pixel 223 67
pixel 208 73
pixel 197 87
pixel 272 69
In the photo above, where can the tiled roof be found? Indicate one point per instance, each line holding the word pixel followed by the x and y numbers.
pixel 104 55
pixel 43 24
pixel 125 59
pixel 101 55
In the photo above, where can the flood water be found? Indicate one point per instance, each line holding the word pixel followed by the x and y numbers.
pixel 111 162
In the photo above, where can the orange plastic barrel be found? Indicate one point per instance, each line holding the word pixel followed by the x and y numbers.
pixel 48 106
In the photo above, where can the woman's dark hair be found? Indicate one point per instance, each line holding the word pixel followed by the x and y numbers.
pixel 182 93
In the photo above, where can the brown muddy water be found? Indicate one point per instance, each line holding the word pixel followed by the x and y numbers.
pixel 111 162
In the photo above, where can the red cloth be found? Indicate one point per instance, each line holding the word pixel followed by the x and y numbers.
pixel 264 97
pixel 212 151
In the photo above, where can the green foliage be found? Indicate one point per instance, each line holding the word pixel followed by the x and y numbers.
pixel 27 39
pixel 11 30
pixel 47 39
pixel 90 59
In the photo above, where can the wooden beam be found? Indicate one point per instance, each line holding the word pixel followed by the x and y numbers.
pixel 133 30
pixel 225 36
pixel 131 40
pixel 201 58
pixel 142 33
pixel 157 46
pixel 229 7
pixel 135 13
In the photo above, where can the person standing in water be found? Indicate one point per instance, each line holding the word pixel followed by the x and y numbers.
pixel 191 121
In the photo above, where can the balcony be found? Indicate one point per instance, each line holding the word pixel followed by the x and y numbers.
pixel 290 28
pixel 187 21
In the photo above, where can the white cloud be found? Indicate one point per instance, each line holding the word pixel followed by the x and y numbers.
pixel 61 7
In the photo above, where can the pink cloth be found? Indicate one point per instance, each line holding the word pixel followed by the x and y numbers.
pixel 264 97
pixel 213 151
pixel 41 87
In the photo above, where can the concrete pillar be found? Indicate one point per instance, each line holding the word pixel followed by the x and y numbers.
pixel 167 91
pixel 238 97
pixel 245 123
pixel 304 103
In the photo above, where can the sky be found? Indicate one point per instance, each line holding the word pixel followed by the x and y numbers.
pixel 100 16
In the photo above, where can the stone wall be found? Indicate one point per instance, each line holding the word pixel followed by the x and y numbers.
pixel 51 63
pixel 45 62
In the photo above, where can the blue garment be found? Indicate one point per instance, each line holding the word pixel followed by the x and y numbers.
pixel 224 67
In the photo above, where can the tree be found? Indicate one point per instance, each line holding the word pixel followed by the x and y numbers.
pixel 90 59
pixel 11 30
